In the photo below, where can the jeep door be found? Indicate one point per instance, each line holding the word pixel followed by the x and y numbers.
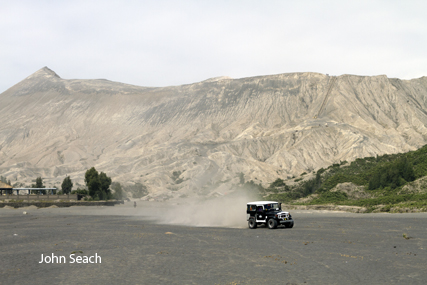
pixel 260 214
pixel 251 211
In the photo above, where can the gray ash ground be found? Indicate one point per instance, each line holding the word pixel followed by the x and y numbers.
pixel 322 248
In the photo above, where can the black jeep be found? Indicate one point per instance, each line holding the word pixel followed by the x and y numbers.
pixel 268 213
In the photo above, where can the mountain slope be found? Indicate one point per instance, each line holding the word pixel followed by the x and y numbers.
pixel 264 127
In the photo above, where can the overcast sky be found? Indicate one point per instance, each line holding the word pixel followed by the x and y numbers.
pixel 161 43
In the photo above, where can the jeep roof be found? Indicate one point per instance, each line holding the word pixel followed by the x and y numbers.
pixel 260 203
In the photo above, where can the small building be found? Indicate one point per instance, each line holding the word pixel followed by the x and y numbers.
pixel 5 187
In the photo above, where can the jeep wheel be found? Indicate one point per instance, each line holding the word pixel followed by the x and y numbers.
pixel 289 225
pixel 272 224
pixel 252 223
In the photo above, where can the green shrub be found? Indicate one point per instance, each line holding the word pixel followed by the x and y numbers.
pixel 330 197
pixel 382 176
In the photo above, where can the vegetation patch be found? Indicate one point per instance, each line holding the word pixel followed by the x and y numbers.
pixel 387 183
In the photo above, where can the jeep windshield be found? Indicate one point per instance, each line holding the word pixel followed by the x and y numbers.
pixel 272 206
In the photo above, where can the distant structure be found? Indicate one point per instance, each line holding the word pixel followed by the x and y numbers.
pixel 6 187
pixel 9 189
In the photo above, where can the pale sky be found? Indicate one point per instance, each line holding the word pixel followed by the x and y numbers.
pixel 161 43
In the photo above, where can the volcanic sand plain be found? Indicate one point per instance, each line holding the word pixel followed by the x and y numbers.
pixel 322 248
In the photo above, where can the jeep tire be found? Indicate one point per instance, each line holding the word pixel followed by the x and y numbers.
pixel 252 223
pixel 272 224
pixel 289 225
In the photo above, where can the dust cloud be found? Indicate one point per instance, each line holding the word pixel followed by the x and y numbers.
pixel 226 211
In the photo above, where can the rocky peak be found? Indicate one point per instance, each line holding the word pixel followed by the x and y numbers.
pixel 42 80
pixel 43 72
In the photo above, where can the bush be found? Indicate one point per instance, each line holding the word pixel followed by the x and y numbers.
pixel 251 186
pixel 330 197
pixel 80 191
pixel 138 190
pixel 98 184
pixel 118 191
pixel 394 174
pixel 278 183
